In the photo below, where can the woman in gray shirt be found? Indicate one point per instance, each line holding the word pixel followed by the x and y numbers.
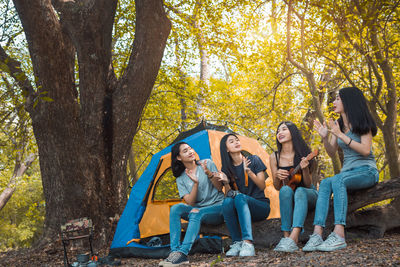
pixel 199 187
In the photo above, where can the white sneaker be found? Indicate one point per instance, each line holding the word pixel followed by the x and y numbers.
pixel 247 250
pixel 312 244
pixel 286 245
pixel 234 249
pixel 333 242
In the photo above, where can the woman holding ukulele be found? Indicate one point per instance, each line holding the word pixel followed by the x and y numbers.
pixel 294 199
pixel 353 132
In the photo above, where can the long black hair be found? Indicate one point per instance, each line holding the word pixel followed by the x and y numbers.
pixel 226 159
pixel 301 149
pixel 356 109
pixel 177 165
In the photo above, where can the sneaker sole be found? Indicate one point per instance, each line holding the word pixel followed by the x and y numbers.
pixel 309 249
pixel 175 264
pixel 329 249
pixel 286 250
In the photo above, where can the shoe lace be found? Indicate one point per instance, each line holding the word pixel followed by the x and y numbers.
pixel 290 242
pixel 174 256
pixel 332 239
pixel 283 242
pixel 236 244
pixel 314 239
pixel 246 245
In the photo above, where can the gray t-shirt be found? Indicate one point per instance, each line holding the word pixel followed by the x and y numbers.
pixel 207 194
pixel 353 159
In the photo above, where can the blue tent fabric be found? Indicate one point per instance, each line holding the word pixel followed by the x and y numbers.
pixel 128 225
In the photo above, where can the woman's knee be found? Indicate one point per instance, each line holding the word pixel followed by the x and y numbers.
pixel 285 193
pixel 177 209
pixel 240 199
pixel 195 215
pixel 326 184
pixel 300 194
pixel 228 204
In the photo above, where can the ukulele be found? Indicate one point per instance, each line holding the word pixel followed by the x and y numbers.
pixel 294 177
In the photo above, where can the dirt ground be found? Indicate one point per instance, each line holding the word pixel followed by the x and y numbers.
pixel 366 252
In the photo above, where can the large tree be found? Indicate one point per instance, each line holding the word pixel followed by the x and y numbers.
pixel 84 117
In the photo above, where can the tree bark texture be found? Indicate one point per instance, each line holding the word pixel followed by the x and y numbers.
pixel 85 134
pixel 370 222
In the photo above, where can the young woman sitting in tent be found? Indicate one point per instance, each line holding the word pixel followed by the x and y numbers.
pixel 200 189
pixel 244 181
pixel 291 174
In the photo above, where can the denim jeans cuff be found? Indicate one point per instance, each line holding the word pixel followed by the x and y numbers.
pixel 340 222
pixel 179 250
pixel 298 226
pixel 319 224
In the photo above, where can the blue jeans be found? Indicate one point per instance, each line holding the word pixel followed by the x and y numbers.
pixel 209 215
pixel 240 211
pixel 354 179
pixel 303 199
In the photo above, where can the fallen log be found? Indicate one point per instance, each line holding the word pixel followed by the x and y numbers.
pixel 372 222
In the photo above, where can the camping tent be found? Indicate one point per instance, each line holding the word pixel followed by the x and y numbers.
pixel 147 211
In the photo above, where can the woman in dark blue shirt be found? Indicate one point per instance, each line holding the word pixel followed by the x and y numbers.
pixel 244 181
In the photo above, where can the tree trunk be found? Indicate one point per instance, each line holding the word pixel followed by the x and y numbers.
pixel 182 88
pixel 391 150
pixel 204 68
pixel 84 136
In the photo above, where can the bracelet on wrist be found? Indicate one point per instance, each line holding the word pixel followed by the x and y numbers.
pixel 350 142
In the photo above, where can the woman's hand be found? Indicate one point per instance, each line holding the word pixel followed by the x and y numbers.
pixel 282 174
pixel 304 163
pixel 246 164
pixel 203 164
pixel 334 127
pixel 222 177
pixel 321 128
pixel 192 176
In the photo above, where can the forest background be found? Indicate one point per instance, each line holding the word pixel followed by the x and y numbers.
pixel 247 64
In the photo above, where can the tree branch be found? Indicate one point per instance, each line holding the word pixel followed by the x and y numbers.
pixel 19 170
pixel 134 88
pixel 13 68
pixel 288 37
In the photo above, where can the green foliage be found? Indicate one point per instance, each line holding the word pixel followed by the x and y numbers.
pixel 21 220
pixel 166 187
pixel 217 260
